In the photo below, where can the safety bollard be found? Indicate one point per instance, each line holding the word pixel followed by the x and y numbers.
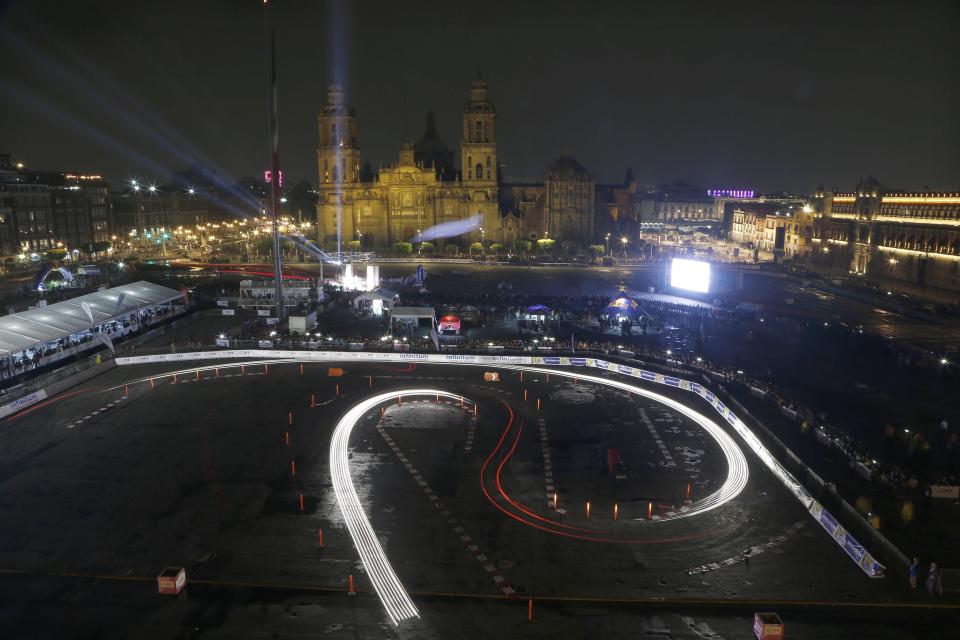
pixel 530 610
pixel 151 383
pixel 521 376
pixel 174 378
pixel 538 404
pixel 198 374
pixel 290 417
pixel 321 538
pixel 266 369
pixel 555 500
pixel 588 509
pixel 381 412
pixel 243 369
pixel 689 488
pixel 301 368
pixel 474 412
pixel 524 395
pixel 313 401
pixel 293 468
pixel 370 379
pixel 126 391
pixel 649 511
pixel 338 391
pixel 616 511
pixel 217 371
pixel 548 377
pixel 286 438
pixel 302 509
pixel 351 592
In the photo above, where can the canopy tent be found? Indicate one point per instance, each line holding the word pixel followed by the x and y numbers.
pixel 622 307
pixel 538 310
pixel 386 298
pixel 30 329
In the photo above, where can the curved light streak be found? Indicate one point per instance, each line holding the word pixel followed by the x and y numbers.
pixel 387 586
pixel 738 473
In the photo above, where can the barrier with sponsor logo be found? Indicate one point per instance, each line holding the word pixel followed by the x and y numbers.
pixel 846 541
pixel 22 403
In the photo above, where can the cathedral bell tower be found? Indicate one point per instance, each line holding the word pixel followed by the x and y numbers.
pixel 478 151
pixel 338 163
pixel 338 153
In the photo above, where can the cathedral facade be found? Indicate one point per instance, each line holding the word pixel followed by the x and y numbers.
pixel 423 188
pixel 417 192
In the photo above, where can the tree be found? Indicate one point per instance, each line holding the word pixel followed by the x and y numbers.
pixel 451 249
pixel 403 248
pixel 496 248
pixel 427 247
pixel 302 200
pixel 353 245
pixel 597 249
pixel 55 254
pixel 570 247
pixel 476 247
pixel 523 246
pixel 545 245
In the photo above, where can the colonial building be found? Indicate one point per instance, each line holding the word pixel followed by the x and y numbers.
pixel 423 188
pixel 913 236
pixel 42 210
pixel 417 192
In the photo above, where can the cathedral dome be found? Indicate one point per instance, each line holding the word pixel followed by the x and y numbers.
pixel 567 165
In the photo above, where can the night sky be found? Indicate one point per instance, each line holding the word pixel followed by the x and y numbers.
pixel 772 96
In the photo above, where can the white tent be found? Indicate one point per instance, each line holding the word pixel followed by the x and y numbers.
pixel 381 297
pixel 30 329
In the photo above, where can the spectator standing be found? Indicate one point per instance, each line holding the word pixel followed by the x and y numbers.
pixel 932 578
pixel 914 572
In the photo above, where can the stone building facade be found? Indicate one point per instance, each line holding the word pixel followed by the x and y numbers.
pixel 911 236
pixel 417 192
pixel 423 188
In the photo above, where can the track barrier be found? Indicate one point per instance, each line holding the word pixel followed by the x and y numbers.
pixel 842 537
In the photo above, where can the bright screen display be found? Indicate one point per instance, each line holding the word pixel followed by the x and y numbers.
pixel 691 275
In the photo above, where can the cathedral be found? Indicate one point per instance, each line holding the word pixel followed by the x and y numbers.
pixel 424 188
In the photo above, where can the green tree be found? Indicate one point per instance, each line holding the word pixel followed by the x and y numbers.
pixel 353 245
pixel 496 248
pixel 403 248
pixel 522 246
pixel 427 247
pixel 55 254
pixel 597 249
pixel 476 247
pixel 545 245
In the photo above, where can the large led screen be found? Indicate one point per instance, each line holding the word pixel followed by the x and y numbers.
pixel 691 275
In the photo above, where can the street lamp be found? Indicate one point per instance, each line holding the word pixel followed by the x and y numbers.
pixel 607 240
pixel 481 241
pixel 624 241
pixel 419 246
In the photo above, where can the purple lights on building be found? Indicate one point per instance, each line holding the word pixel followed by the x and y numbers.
pixel 730 193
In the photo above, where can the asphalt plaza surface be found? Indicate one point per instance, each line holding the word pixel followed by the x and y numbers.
pixel 199 473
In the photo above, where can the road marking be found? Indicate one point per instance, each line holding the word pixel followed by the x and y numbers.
pixel 547 466
pixel 656 436
pixel 79 421
pixel 744 555
pixel 458 528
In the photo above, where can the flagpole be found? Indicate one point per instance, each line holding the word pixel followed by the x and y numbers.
pixel 275 175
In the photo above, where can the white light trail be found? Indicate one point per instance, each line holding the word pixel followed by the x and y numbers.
pixel 738 473
pixel 387 586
